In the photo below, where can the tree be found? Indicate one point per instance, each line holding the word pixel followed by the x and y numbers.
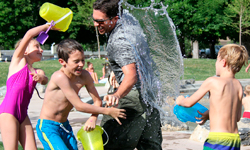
pixel 15 21
pixel 18 16
pixel 181 13
pixel 239 16
pixel 199 20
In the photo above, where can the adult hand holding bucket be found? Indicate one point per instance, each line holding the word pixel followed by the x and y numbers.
pixel 62 17
pixel 92 140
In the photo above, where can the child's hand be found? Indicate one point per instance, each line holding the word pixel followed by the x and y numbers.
pixel 204 117
pixel 179 99
pixel 90 124
pixel 52 28
pixel 37 77
pixel 115 113
pixel 111 100
pixel 113 81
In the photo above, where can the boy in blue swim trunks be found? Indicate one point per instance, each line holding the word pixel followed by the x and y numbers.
pixel 225 99
pixel 61 95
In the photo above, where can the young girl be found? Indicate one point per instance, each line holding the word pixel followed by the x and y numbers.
pixel 22 78
pixel 92 72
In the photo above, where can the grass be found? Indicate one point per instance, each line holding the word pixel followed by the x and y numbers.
pixel 198 69
pixel 19 147
pixel 49 67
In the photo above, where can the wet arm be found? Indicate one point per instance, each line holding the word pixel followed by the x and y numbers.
pixel 64 84
pixel 130 78
pixel 190 101
pixel 93 93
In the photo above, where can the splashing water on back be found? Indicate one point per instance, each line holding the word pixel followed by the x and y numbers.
pixel 158 56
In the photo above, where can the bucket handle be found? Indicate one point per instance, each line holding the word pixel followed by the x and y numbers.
pixel 63 17
pixel 52 23
pixel 107 137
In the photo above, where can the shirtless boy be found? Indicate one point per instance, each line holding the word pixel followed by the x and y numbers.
pixel 225 99
pixel 246 102
pixel 61 95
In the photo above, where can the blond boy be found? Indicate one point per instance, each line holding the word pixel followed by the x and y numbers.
pixel 225 99
pixel 246 102
pixel 61 95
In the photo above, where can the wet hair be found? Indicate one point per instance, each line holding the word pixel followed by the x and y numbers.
pixel 19 41
pixel 247 90
pixel 66 47
pixel 109 7
pixel 236 56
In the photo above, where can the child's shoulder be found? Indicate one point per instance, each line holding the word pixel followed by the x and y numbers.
pixel 213 79
pixel 58 75
pixel 85 75
pixel 221 79
pixel 247 97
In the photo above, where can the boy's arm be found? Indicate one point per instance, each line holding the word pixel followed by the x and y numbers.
pixel 130 78
pixel 239 112
pixel 190 101
pixel 243 101
pixel 63 82
pixel 91 122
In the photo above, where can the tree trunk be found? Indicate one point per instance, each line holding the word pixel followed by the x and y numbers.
pixel 195 49
pixel 182 45
pixel 98 43
pixel 212 50
pixel 245 42
pixel 240 25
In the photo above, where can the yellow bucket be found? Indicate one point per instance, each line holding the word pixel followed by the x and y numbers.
pixel 92 140
pixel 61 16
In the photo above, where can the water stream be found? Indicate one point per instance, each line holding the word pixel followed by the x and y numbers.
pixel 158 56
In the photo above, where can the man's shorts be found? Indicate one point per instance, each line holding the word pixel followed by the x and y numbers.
pixel 222 140
pixel 55 135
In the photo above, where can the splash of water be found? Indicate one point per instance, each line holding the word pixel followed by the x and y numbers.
pixel 158 55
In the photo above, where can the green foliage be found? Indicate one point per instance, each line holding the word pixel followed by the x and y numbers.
pixel 238 16
pixel 140 3
pixel 237 9
pixel 181 13
pixel 14 22
pixel 198 20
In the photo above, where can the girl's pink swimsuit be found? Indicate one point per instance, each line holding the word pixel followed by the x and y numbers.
pixel 20 87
